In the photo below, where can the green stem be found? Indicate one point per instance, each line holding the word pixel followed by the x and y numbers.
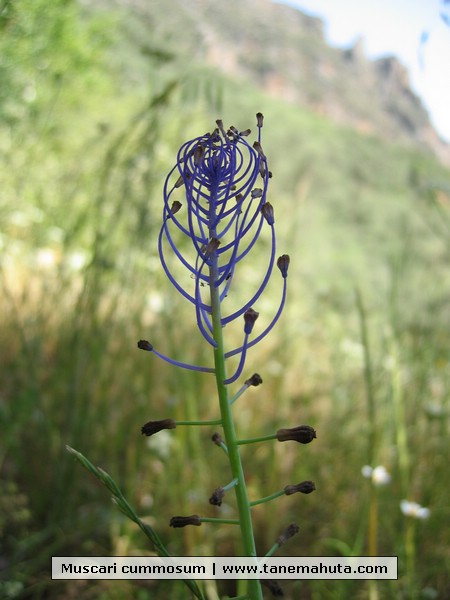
pixel 373 537
pixel 218 520
pixel 373 522
pixel 268 498
pixel 264 438
pixel 248 541
pixel 410 555
pixel 272 551
pixel 224 447
pixel 230 485
pixel 238 394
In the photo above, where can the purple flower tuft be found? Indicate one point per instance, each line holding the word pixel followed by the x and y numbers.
pixel 220 181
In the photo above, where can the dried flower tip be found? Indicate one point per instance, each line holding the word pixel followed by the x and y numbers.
pixel 255 380
pixel 217 496
pixel 153 427
pixel 267 212
pixel 250 317
pixel 303 434
pixel 219 123
pixel 262 172
pixel 259 119
pixel 211 247
pixel 199 153
pixel 233 133
pixel 245 133
pixel 257 146
pixel 273 586
pixel 183 521
pixel 289 532
pixel 217 438
pixel 144 345
pixel 305 487
pixel 257 193
pixel 179 182
pixel 175 207
pixel 283 264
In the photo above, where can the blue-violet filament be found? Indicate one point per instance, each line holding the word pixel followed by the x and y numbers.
pixel 215 207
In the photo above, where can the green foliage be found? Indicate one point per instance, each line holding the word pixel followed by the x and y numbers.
pixel 129 512
pixel 88 131
pixel 46 49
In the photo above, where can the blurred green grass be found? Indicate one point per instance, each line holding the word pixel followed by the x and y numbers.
pixel 85 154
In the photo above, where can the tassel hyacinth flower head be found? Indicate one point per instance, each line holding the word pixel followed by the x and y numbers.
pixel 215 208
pixel 215 213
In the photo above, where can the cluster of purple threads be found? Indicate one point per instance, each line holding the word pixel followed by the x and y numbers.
pixel 215 207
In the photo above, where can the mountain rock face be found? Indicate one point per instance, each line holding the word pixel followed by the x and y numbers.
pixel 283 51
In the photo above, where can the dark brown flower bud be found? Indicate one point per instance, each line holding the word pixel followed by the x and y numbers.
pixel 255 380
pixel 289 532
pixel 267 212
pixel 144 345
pixel 250 317
pixel 257 146
pixel 273 586
pixel 217 496
pixel 179 182
pixel 302 434
pixel 212 246
pixel 245 133
pixel 233 133
pixel 283 264
pixel 175 207
pixel 217 438
pixel 305 487
pixel 221 127
pixel 183 521
pixel 259 119
pixel 199 153
pixel 215 135
pixel 153 427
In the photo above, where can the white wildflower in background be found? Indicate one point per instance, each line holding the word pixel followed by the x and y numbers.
pixel 379 475
pixel 155 302
pixel 77 260
pixel 412 509
pixel 46 258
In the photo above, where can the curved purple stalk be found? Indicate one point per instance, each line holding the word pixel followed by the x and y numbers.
pixel 224 183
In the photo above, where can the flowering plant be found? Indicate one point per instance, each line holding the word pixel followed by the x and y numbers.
pixel 215 208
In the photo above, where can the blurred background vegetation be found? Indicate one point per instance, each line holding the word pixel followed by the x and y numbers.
pixel 90 122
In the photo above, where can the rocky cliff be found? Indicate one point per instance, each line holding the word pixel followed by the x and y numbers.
pixel 284 51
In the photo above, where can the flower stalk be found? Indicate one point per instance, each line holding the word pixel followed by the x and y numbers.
pixel 203 239
pixel 244 510
pixel 208 232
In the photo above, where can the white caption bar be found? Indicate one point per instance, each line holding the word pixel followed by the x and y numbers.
pixel 206 567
